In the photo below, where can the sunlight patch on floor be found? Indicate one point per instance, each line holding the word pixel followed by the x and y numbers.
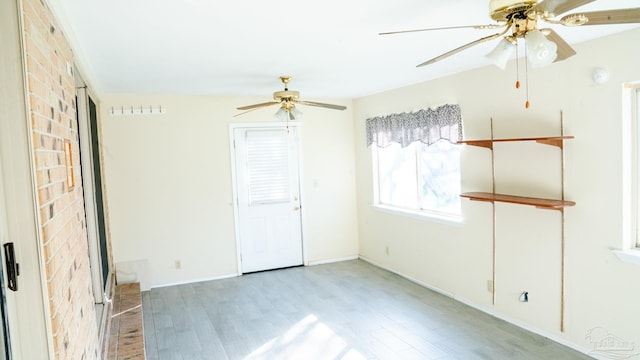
pixel 308 337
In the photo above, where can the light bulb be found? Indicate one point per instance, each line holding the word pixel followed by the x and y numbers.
pixel 540 51
pixel 281 114
pixel 501 54
pixel 295 113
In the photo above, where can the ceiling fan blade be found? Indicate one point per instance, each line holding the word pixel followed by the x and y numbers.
pixel 477 27
pixel 244 112
pixel 557 7
pixel 606 17
pixel 256 106
pixel 564 49
pixel 463 47
pixel 318 104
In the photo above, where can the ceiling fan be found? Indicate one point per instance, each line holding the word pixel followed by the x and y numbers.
pixel 518 19
pixel 287 100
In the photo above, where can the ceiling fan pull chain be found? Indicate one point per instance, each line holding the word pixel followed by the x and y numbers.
pixel 526 74
pixel 517 67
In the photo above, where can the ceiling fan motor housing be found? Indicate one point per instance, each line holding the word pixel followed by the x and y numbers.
pixel 502 10
pixel 286 95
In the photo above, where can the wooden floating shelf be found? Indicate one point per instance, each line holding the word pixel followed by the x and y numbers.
pixel 488 143
pixel 537 202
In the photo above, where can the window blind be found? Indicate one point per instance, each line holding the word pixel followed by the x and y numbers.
pixel 268 166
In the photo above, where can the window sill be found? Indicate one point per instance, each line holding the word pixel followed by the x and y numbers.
pixel 631 256
pixel 421 215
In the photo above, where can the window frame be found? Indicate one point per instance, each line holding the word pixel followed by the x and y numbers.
pixel 630 249
pixel 634 108
pixel 418 212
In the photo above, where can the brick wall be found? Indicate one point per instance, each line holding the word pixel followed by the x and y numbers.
pixel 51 96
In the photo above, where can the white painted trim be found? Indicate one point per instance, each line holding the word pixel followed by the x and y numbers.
pixel 525 326
pixel 486 310
pixel 630 256
pixel 329 261
pixel 228 276
pixel 630 169
pixel 301 193
pixel 107 310
pixel 234 190
pixel 101 291
pixel 29 319
pixel 236 217
pixel 420 215
pixel 414 280
pixel 86 168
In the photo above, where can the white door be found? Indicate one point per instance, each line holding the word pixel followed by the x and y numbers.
pixel 268 197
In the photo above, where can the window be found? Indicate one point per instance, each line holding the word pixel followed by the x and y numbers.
pixel 635 119
pixel 267 163
pixel 630 249
pixel 631 166
pixel 419 177
pixel 416 163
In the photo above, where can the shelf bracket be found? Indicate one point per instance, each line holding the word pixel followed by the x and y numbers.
pixel 553 142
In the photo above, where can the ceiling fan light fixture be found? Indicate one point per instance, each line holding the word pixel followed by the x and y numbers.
pixel 281 114
pixel 295 113
pixel 540 51
pixel 290 114
pixel 501 54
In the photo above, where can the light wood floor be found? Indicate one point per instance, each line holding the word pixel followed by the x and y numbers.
pixel 346 310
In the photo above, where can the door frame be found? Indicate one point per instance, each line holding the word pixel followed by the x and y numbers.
pixel 101 291
pixel 234 184
pixel 7 300
pixel 29 311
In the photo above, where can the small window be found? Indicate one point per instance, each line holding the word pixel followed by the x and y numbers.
pixel 419 177
pixel 635 120
pixel 267 166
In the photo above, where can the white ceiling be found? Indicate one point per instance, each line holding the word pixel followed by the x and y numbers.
pixel 331 48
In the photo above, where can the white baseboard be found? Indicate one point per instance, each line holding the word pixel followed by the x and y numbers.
pixel 310 263
pixel 329 261
pixel 486 310
pixel 525 326
pixel 430 287
pixel 194 281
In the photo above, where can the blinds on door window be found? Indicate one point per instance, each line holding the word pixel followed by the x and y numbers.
pixel 268 166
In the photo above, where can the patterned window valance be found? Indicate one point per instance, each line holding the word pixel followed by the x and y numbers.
pixel 427 126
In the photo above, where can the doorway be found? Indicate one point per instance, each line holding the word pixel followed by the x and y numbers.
pixel 267 196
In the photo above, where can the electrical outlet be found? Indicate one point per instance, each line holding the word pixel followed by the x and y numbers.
pixel 178 264
pixel 386 249
pixel 490 285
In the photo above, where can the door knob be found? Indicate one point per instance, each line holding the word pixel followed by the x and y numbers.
pixel 296 208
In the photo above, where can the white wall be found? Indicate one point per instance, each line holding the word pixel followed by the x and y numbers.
pixel 169 190
pixel 601 290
